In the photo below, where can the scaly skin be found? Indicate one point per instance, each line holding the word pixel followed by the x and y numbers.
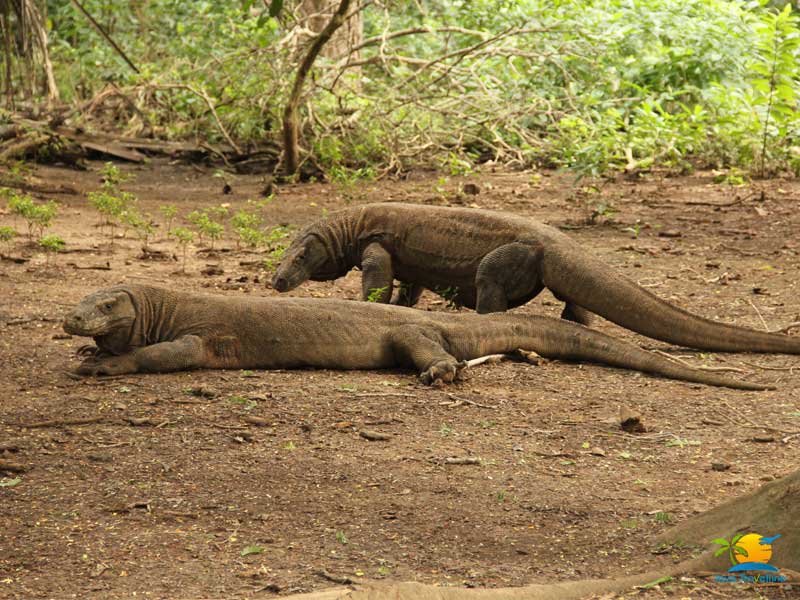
pixel 493 261
pixel 140 328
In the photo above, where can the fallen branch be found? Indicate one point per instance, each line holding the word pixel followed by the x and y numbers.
pixel 61 422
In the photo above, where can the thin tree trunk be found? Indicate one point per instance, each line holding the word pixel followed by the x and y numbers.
pixel 39 27
pixel 291 124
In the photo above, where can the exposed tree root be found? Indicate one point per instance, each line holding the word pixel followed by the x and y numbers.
pixel 772 509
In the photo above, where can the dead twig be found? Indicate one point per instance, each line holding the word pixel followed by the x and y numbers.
pixel 62 422
pixel 458 401
pixel 758 312
pixel 340 579
pixel 12 467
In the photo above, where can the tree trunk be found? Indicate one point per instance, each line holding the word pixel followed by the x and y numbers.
pixel 771 510
pixel 291 119
pixel 315 14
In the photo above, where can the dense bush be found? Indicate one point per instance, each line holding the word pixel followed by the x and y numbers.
pixel 597 85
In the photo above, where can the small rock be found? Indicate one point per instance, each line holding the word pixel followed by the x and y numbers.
pixel 139 421
pixel 203 392
pixel 210 270
pixel 257 421
pixel 597 452
pixel 472 189
pixel 630 421
pixel 720 466
pixel 763 439
pixel 374 436
pixel 670 233
pixel 61 336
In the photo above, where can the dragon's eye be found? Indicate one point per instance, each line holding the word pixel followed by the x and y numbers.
pixel 108 305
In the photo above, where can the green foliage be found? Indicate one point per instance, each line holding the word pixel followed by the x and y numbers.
pixel 112 177
pixel 376 293
pixel 116 207
pixel 206 225
pixel 184 237
pixel 168 211
pixel 595 86
pixel 246 224
pixel 38 217
pixel 52 244
pixel 142 225
pixel 7 234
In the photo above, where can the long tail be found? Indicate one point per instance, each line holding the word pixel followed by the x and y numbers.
pixel 556 338
pixel 583 280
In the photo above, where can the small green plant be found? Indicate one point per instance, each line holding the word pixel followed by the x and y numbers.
pixel 274 257
pixel 341 537
pixel 733 177
pixel 112 177
pixel 168 211
pixel 501 496
pixel 774 72
pixel 142 225
pixel 375 294
pixel 635 229
pixel 246 225
pixel 206 226
pixel 602 210
pixel 445 429
pixel 112 207
pixel 38 217
pixel 52 244
pixel 184 237
pixel 663 517
pixel 7 235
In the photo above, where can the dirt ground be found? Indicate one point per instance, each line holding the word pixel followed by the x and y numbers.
pixel 170 492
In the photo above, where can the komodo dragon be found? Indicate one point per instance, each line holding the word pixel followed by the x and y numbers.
pixel 492 261
pixel 143 328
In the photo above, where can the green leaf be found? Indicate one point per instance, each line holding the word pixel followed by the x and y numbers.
pixel 721 542
pixel 10 482
pixel 275 8
pixel 247 550
pixel 720 551
pixel 740 550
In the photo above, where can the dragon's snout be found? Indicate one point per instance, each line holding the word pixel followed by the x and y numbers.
pixel 280 284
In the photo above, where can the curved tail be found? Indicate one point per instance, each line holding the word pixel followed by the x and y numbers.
pixel 584 281
pixel 556 338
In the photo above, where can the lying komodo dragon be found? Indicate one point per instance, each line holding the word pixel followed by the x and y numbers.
pixel 143 328
pixel 493 261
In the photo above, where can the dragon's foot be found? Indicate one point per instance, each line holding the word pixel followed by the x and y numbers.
pixel 442 371
pixel 116 365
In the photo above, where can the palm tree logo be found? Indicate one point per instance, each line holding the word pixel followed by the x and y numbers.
pixel 730 547
pixel 747 552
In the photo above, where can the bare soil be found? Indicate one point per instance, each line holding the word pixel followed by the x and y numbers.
pixel 170 483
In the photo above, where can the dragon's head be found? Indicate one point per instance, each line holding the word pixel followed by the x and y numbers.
pixel 101 313
pixel 307 258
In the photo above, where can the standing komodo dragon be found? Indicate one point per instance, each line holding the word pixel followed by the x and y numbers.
pixel 143 328
pixel 492 261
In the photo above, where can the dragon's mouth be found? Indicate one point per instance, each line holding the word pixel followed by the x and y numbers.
pixel 76 326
